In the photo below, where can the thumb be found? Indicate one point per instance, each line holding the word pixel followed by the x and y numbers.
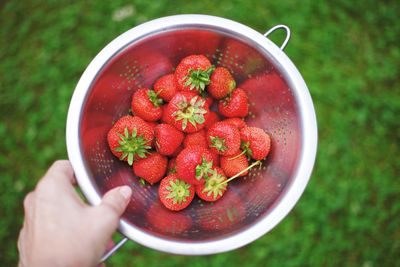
pixel 116 199
pixel 112 206
pixel 105 217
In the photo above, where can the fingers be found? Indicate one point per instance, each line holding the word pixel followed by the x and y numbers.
pixel 61 170
pixel 59 179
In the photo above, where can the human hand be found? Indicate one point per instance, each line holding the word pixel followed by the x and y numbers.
pixel 59 229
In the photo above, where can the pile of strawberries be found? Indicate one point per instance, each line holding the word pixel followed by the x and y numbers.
pixel 178 136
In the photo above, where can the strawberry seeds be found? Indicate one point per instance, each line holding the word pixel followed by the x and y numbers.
pixel 189 133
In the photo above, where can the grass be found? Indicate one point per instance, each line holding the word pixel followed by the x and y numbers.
pixel 348 53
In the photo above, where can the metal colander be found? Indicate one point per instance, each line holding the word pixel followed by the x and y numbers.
pixel 279 103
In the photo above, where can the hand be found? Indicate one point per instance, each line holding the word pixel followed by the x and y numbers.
pixel 60 229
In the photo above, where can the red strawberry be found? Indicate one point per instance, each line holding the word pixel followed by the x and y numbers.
pixel 165 87
pixel 197 138
pixel 177 151
pixel 215 157
pixel 235 105
pixel 223 138
pixel 152 168
pixel 167 222
pixel 213 188
pixel 146 104
pixel 193 73
pixel 167 139
pixel 130 138
pixel 232 165
pixel 165 117
pixel 228 212
pixel 221 83
pixel 194 164
pixel 174 193
pixel 152 124
pixel 187 111
pixel 208 101
pixel 255 142
pixel 171 166
pixel 238 122
pixel 213 117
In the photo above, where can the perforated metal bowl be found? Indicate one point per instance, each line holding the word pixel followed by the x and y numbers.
pixel 279 103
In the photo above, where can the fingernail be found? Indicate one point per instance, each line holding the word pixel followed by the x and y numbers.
pixel 125 191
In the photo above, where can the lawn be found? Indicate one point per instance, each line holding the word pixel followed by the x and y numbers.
pixel 348 53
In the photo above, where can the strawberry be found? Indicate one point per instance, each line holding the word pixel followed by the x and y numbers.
pixel 165 87
pixel 193 73
pixel 174 193
pixel 146 104
pixel 213 117
pixel 215 158
pixel 232 165
pixel 221 83
pixel 237 122
pixel 197 138
pixel 255 142
pixel 213 188
pixel 223 138
pixel 165 117
pixel 208 101
pixel 228 212
pixel 167 139
pixel 130 138
pixel 187 111
pixel 171 168
pixel 152 124
pixel 152 168
pixel 194 164
pixel 235 105
pixel 167 222
pixel 177 151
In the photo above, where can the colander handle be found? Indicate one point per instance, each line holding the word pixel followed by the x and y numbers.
pixel 280 26
pixel 113 250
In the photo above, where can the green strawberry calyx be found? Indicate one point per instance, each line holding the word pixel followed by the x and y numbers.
pixel 192 112
pixel 178 191
pixel 153 97
pixel 245 146
pixel 132 145
pixel 197 79
pixel 218 143
pixel 204 169
pixel 214 185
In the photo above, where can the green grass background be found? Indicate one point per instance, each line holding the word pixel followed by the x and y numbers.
pixel 348 53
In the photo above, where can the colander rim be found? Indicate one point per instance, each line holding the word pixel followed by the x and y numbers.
pixel 308 127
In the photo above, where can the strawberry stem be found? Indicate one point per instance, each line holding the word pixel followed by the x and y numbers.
pixel 258 162
pixel 238 155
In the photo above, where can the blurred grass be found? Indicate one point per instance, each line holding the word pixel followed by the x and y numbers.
pixel 348 53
